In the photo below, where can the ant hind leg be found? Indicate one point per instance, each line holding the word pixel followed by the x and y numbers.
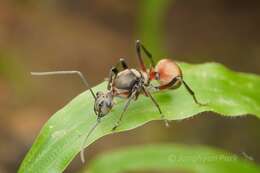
pixel 191 92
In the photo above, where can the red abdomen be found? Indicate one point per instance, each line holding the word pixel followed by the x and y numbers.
pixel 168 70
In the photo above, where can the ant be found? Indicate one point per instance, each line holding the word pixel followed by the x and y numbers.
pixel 131 82
pixel 102 105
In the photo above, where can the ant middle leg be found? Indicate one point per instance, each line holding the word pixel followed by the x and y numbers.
pixel 157 105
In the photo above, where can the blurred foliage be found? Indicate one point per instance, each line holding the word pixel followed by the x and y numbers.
pixel 7 63
pixel 170 157
pixel 10 69
pixel 151 24
pixel 61 137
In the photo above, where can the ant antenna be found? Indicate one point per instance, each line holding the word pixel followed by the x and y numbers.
pixel 82 157
pixel 66 72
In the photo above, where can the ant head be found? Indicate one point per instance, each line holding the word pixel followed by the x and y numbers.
pixel 103 103
pixel 166 72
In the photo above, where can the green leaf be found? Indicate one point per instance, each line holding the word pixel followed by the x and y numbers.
pixel 226 92
pixel 170 157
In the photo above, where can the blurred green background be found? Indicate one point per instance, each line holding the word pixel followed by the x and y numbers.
pixel 90 36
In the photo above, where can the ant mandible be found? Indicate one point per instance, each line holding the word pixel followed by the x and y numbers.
pixel 131 82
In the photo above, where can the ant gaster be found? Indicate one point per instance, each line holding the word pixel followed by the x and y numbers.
pixel 102 105
pixel 131 82
pixel 166 72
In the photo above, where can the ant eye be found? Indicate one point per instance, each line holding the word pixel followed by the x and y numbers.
pixel 100 104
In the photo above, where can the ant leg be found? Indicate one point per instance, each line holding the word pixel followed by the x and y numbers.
pixel 114 72
pixel 157 105
pixel 125 108
pixel 82 157
pixel 191 92
pixel 140 46
pixel 123 63
pixel 168 85
pixel 112 75
pixel 66 72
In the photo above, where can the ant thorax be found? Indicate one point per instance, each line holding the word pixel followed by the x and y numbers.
pixel 127 79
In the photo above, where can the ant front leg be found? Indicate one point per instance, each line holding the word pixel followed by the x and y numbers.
pixel 133 94
pixel 157 105
pixel 114 71
pixel 191 92
pixel 112 75
pixel 123 63
pixel 140 46
pixel 84 80
pixel 82 157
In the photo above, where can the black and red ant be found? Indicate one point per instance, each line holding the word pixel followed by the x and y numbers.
pixel 131 82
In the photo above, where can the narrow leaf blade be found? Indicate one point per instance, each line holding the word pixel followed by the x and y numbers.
pixel 170 157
